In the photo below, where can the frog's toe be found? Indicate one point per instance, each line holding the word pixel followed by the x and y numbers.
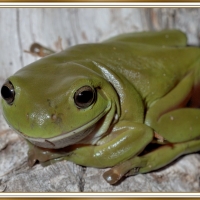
pixel 127 168
pixel 112 176
pixel 31 160
pixel 133 171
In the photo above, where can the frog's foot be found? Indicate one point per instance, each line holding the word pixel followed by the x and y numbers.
pixel 151 161
pixel 155 159
pixel 45 156
pixel 38 154
pixel 113 175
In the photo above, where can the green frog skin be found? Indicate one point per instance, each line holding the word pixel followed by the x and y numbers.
pixel 103 104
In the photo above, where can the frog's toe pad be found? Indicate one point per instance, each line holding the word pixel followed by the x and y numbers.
pixel 31 161
pixel 112 176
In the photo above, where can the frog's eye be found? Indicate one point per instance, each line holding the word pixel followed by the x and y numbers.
pixel 8 92
pixel 84 97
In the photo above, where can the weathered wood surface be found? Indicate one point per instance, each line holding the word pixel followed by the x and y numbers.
pixel 20 27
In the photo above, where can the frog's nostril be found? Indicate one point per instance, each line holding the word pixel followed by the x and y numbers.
pixel 8 92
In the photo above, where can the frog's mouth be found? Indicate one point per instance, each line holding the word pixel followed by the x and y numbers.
pixel 67 138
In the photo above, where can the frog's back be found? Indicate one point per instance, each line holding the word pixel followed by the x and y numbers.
pixel 161 38
pixel 155 62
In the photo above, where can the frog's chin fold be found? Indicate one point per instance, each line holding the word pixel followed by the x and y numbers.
pixel 67 138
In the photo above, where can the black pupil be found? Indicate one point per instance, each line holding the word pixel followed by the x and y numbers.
pixel 85 97
pixel 6 92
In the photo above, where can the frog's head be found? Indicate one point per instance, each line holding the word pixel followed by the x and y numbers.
pixel 54 105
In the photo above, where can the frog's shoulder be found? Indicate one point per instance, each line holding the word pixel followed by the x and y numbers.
pixel 161 38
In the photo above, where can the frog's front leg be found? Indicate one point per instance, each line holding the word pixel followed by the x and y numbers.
pixel 169 116
pixel 128 142
pixel 151 161
pixel 44 156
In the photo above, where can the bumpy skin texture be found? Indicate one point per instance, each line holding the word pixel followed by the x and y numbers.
pixel 145 94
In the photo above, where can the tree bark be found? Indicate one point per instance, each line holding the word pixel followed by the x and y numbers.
pixel 20 27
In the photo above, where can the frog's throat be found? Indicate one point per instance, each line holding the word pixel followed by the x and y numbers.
pixel 68 138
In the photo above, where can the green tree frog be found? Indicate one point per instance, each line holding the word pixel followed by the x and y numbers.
pixel 129 103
